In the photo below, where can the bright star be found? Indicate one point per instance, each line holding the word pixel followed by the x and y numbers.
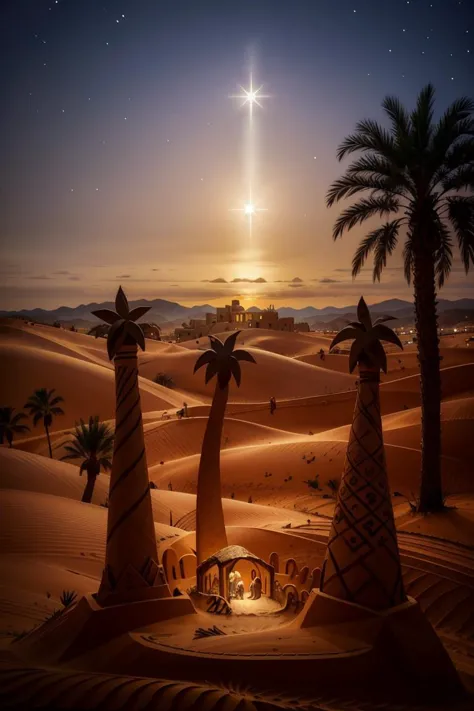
pixel 249 209
pixel 250 96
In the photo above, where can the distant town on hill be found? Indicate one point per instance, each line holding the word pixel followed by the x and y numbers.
pixel 170 315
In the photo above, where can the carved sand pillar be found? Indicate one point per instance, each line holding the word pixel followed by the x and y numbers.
pixel 362 563
pixel 131 562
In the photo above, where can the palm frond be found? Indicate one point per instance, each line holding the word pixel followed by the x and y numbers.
pixel 363 210
pixel 364 249
pixel 350 185
pixel 386 243
pixel 204 359
pixel 399 117
pixel 460 179
pixel 443 256
pixel 408 260
pixel 369 136
pixel 461 216
pixel 347 333
pixel 422 118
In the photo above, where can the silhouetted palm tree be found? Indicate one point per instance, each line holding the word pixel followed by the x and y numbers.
pixel 220 360
pixel 10 424
pixel 43 404
pixel 415 172
pixel 94 444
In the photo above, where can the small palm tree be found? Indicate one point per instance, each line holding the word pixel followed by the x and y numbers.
pixel 165 380
pixel 94 444
pixel 10 424
pixel 100 331
pixel 416 172
pixel 43 404
pixel 220 360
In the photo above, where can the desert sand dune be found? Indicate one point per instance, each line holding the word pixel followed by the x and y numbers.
pixel 174 439
pixel 170 439
pixel 87 388
pixel 279 342
pixel 275 375
pixel 23 471
pixel 243 471
pixel 400 364
pixel 404 429
pixel 319 413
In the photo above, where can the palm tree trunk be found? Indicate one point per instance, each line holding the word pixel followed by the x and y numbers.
pixel 362 563
pixel 431 492
pixel 210 529
pixel 49 440
pixel 131 560
pixel 89 487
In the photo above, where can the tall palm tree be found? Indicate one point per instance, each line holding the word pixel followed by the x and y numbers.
pixel 10 424
pixel 43 405
pixel 220 360
pixel 362 562
pixel 93 443
pixel 131 559
pixel 415 173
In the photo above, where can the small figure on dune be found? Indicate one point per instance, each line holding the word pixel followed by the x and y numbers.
pixel 273 405
pixel 185 409
pixel 322 354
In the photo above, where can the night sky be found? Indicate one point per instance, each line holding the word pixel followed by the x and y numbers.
pixel 124 155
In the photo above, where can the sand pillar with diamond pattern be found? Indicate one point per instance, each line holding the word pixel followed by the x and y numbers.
pixel 131 563
pixel 362 563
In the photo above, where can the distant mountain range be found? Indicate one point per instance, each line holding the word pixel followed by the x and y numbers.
pixel 170 313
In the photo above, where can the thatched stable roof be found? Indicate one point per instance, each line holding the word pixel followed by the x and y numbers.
pixel 226 555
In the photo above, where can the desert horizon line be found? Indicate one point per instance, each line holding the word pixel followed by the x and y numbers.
pixel 193 305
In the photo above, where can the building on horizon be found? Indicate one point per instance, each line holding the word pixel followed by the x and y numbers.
pixel 234 316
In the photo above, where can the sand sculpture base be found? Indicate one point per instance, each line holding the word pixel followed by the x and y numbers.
pixel 331 648
pixel 401 637
pixel 89 625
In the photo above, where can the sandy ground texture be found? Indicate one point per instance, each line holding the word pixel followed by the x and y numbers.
pixel 278 472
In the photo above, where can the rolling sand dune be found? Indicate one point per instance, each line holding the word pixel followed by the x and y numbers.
pixel 87 388
pixel 49 544
pixel 408 366
pixel 275 375
pixel 174 439
pixel 243 471
pixel 404 429
pixel 22 471
pixel 171 439
pixel 280 342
